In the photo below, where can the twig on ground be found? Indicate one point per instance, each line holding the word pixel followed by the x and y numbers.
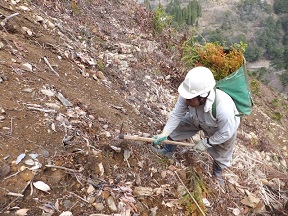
pixel 31 188
pixel 32 105
pixel 79 197
pixel 189 193
pixel 4 189
pixel 28 183
pixel 15 194
pixel 49 65
pixel 11 176
pixel 11 126
pixel 73 205
pixel 78 179
pixel 9 204
pixel 59 167
pixel 3 23
pixel 122 109
pixel 42 110
pixel 9 193
pixel 87 142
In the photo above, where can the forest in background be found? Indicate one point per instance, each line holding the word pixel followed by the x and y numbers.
pixel 268 41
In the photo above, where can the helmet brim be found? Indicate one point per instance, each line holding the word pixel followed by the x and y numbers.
pixel 187 95
pixel 184 93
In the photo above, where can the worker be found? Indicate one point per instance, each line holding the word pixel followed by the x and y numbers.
pixel 193 112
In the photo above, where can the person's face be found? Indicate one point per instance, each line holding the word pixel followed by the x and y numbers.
pixel 193 102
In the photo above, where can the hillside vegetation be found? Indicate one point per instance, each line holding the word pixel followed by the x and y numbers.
pixel 76 74
pixel 262 25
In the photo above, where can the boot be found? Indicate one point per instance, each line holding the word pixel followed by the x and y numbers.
pixel 217 173
pixel 167 151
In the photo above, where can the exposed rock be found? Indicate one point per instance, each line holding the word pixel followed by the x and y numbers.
pixel 100 75
pixel 44 153
pixel 90 189
pixel 98 206
pixel 111 204
pixel 4 170
pixel 67 204
pixel 105 194
pixel 143 191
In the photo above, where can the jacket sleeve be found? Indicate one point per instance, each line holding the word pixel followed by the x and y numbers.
pixel 227 123
pixel 176 115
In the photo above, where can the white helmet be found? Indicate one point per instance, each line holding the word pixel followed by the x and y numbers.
pixel 198 81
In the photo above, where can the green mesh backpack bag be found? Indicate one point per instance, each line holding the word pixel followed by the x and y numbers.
pixel 236 85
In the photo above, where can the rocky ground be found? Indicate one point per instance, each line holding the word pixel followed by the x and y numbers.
pixel 72 73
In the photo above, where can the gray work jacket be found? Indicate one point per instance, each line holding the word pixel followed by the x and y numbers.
pixel 220 129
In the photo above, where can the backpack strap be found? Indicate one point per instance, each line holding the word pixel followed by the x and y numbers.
pixel 214 105
pixel 214 108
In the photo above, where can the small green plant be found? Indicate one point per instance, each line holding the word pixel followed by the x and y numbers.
pixel 190 207
pixel 75 8
pixel 275 102
pixel 100 65
pixel 277 116
pixel 198 190
pixel 171 47
pixel 162 161
pixel 241 46
pixel 161 20
pixel 157 71
pixel 255 87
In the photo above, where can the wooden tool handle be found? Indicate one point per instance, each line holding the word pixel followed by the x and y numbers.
pixel 145 139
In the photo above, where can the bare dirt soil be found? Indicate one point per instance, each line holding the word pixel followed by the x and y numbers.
pixel 71 74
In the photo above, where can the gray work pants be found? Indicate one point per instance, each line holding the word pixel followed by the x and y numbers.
pixel 221 153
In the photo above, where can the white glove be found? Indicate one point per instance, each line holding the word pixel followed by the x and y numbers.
pixel 202 145
pixel 160 137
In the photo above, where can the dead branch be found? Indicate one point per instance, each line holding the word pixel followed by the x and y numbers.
pixel 11 176
pixel 59 167
pixel 189 193
pixel 27 184
pixel 78 179
pixel 42 110
pixel 49 65
pixel 69 170
pixel 15 194
pixel 88 144
pixel 79 197
pixel 3 23
pixel 11 126
pixel 73 205
pixel 9 193
pixel 2 210
pixel 31 188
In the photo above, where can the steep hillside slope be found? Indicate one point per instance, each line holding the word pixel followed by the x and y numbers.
pixel 71 74
pixel 217 12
